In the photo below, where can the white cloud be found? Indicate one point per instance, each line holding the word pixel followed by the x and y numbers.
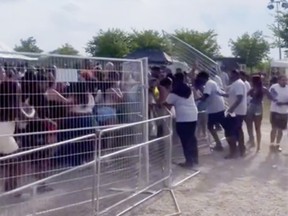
pixel 55 22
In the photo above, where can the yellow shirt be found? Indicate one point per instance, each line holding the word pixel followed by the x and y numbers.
pixel 156 93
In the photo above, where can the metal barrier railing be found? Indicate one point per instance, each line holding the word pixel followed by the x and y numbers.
pixel 114 177
pixel 184 52
pixel 144 167
pixel 65 181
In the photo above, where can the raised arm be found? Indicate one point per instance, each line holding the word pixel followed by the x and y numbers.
pixel 54 95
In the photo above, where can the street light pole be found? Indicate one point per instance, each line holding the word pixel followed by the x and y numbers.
pixel 283 4
pixel 278 29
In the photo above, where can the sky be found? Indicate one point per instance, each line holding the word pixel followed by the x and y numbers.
pixel 55 22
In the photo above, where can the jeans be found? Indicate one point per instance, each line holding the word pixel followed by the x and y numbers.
pixel 186 133
pixel 235 131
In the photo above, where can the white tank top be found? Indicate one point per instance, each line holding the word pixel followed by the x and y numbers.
pixel 85 109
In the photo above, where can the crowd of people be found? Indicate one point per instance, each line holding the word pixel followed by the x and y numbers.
pixel 32 102
pixel 35 110
pixel 227 100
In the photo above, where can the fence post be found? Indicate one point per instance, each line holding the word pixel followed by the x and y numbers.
pixel 145 109
pixel 96 176
pixel 94 180
pixel 168 151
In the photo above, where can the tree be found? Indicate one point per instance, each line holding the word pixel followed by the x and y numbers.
pixel 253 48
pixel 148 39
pixel 110 43
pixel 280 32
pixel 206 42
pixel 66 49
pixel 28 45
pixel 264 65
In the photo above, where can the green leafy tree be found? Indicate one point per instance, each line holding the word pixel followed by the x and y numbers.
pixel 110 43
pixel 28 45
pixel 280 30
pixel 263 66
pixel 206 42
pixel 66 49
pixel 148 39
pixel 253 48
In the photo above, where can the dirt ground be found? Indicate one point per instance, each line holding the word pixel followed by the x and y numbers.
pixel 254 185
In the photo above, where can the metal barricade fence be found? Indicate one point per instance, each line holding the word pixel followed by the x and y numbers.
pixel 69 95
pixel 57 190
pixel 185 53
pixel 114 182
pixel 133 173
pixel 62 98
pixel 62 104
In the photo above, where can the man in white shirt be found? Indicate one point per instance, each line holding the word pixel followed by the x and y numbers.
pixel 243 77
pixel 237 100
pixel 221 86
pixel 215 106
pixel 279 111
pixel 224 77
pixel 218 80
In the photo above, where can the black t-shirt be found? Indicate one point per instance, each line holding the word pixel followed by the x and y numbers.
pixel 8 100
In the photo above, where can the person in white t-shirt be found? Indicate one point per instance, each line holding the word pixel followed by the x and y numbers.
pixel 218 80
pixel 224 77
pixel 243 77
pixel 181 97
pixel 221 86
pixel 237 100
pixel 279 111
pixel 215 106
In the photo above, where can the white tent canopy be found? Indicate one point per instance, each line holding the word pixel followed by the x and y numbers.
pixel 7 53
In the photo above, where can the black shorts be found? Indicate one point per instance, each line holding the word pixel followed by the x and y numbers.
pixel 278 120
pixel 216 118
pixel 234 125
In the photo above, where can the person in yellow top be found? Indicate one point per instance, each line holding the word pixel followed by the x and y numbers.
pixel 156 92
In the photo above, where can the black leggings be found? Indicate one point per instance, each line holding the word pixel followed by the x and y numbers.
pixel 186 132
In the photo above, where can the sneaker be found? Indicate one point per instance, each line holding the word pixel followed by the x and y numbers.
pixel 278 148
